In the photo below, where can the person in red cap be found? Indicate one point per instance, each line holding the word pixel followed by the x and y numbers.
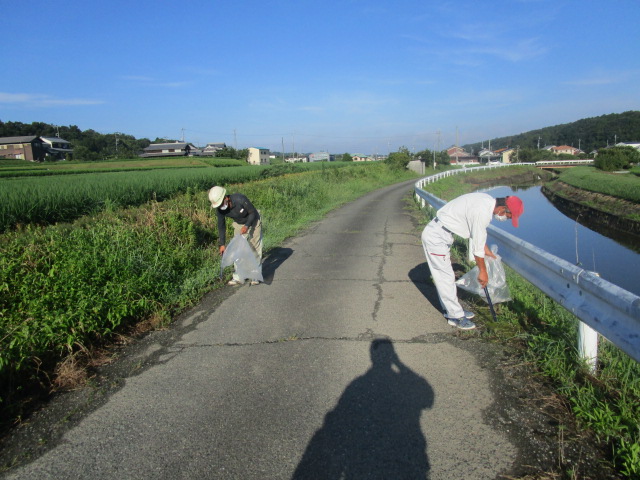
pixel 468 216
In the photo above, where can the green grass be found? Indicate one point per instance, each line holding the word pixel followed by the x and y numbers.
pixel 607 404
pixel 620 185
pixel 68 287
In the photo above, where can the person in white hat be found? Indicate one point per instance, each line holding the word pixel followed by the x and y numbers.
pixel 246 221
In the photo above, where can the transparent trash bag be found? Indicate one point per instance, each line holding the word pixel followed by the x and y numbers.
pixel 240 254
pixel 497 286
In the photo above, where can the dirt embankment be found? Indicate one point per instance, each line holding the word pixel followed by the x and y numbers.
pixel 507 176
pixel 600 209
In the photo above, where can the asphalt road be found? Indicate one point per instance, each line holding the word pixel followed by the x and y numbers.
pixel 340 365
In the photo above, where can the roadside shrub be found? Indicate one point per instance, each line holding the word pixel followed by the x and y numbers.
pixel 616 158
pixel 400 159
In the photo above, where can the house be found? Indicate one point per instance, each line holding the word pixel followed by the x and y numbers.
pixel 459 156
pixel 505 154
pixel 57 147
pixel 321 157
pixel 635 145
pixel 564 149
pixel 359 157
pixel 485 156
pixel 23 148
pixel 298 159
pixel 34 148
pixel 211 149
pixel 258 156
pixel 174 149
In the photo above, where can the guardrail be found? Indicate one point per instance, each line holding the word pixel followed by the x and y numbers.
pixel 600 305
pixel 564 162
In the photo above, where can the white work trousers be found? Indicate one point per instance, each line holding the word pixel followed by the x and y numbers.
pixel 437 242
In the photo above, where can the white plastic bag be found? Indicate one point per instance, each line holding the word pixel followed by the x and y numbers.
pixel 240 254
pixel 497 286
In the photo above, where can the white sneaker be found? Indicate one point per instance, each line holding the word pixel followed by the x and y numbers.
pixel 234 282
pixel 254 282
pixel 461 323
pixel 468 315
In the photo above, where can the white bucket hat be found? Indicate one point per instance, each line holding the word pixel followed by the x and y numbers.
pixel 216 196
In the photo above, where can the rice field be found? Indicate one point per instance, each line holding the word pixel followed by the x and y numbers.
pixel 63 198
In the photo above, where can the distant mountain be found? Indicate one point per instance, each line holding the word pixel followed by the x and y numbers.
pixel 587 134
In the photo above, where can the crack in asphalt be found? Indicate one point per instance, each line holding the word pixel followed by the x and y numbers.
pixel 432 338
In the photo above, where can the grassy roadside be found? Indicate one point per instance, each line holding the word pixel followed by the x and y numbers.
pixel 544 335
pixel 69 288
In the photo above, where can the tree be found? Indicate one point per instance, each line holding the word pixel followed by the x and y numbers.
pixel 82 153
pixel 399 159
pixel 616 158
pixel 347 157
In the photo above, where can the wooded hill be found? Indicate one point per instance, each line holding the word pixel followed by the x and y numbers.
pixel 587 134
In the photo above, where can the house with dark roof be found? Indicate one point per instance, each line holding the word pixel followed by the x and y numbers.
pixel 57 147
pixel 174 149
pixel 211 149
pixel 34 148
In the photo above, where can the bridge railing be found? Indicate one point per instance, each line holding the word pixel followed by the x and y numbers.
pixel 600 305
pixel 564 162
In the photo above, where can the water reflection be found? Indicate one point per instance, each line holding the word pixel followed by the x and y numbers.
pixel 543 225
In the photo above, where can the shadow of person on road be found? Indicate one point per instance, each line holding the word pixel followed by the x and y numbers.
pixel 270 264
pixel 420 275
pixel 374 430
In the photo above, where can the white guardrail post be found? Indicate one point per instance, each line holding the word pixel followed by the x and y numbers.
pixel 601 306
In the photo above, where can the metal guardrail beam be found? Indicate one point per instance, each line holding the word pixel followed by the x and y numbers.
pixel 610 310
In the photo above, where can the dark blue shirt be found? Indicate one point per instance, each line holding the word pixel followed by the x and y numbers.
pixel 241 211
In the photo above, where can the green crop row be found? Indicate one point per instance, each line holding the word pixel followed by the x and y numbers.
pixel 67 197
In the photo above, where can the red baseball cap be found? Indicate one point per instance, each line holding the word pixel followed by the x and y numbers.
pixel 516 207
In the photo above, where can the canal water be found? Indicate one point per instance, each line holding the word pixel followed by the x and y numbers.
pixel 546 227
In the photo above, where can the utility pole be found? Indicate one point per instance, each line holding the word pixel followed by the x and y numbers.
pixel 538 142
pixel 282 148
pixel 437 132
pixel 457 145
pixel 235 140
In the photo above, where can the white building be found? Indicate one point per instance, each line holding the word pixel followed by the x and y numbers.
pixel 635 145
pixel 258 156
pixel 320 157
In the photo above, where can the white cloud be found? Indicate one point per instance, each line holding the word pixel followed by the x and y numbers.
pixel 44 100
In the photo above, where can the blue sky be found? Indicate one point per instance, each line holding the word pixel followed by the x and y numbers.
pixel 342 76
